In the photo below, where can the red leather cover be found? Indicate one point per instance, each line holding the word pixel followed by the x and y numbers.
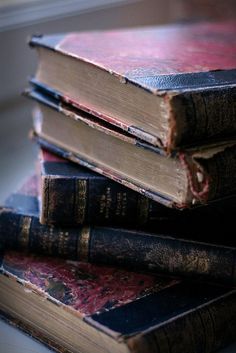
pixel 166 50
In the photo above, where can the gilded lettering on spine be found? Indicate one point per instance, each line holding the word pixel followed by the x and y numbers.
pixel 143 210
pixel 121 204
pixel 106 203
pixel 63 243
pixel 81 200
pixel 24 234
pixel 47 240
pixel 83 244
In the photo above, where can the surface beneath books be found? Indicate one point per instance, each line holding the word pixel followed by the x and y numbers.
pixel 14 341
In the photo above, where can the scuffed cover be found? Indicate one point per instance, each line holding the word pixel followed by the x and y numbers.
pixel 182 64
pixel 81 287
pixel 150 57
pixel 141 311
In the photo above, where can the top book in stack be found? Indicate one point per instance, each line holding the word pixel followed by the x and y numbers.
pixel 171 86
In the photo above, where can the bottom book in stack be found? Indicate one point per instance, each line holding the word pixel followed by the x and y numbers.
pixel 80 306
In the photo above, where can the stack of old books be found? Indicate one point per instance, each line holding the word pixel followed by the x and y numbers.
pixel 136 170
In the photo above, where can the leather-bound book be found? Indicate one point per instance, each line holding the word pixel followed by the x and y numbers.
pixel 201 245
pixel 71 195
pixel 172 86
pixel 183 180
pixel 79 307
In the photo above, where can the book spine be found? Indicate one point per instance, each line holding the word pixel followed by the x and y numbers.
pixel 110 246
pixel 203 115
pixel 211 178
pixel 24 232
pixel 205 330
pixel 222 168
pixel 162 254
pixel 71 201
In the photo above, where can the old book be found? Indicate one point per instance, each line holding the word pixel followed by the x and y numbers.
pixel 71 194
pixel 170 85
pixel 200 246
pixel 182 180
pixel 78 307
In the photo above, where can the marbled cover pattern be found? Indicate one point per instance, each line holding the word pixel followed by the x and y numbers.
pixel 84 287
pixel 147 313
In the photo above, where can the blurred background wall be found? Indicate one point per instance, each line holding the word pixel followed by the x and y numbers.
pixel 19 19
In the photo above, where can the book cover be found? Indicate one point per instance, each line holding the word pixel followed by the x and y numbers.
pixel 168 85
pixel 199 245
pixel 76 306
pixel 71 194
pixel 185 179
